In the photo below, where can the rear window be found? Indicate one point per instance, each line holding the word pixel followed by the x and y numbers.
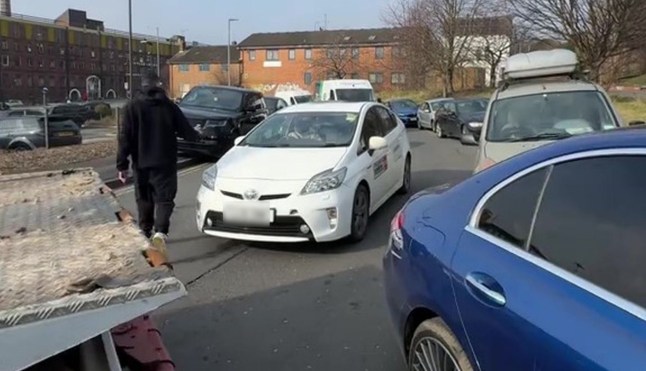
pixel 572 113
pixel 354 95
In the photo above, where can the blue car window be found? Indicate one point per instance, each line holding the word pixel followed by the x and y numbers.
pixel 508 213
pixel 592 223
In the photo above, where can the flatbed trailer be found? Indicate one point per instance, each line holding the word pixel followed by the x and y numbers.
pixel 77 278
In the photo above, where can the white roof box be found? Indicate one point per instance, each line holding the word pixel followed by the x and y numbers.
pixel 540 64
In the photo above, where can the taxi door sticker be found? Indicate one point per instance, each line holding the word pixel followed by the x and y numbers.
pixel 381 166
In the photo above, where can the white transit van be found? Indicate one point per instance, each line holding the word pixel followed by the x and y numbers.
pixel 293 97
pixel 345 90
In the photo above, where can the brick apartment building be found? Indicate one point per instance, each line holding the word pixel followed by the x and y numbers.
pixel 203 65
pixel 275 61
pixel 73 56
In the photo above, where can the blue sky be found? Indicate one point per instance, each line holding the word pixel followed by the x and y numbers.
pixel 206 20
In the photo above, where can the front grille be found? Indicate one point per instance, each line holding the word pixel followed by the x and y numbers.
pixel 283 226
pixel 261 198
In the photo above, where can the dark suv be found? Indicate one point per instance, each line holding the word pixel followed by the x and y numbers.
pixel 27 133
pixel 220 114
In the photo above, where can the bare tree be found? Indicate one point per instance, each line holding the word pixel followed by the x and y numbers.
pixel 219 75
pixel 437 33
pixel 337 60
pixel 597 30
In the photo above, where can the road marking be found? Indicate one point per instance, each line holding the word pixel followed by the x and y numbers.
pixel 190 170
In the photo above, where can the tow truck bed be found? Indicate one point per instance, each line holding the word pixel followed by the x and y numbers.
pixel 71 269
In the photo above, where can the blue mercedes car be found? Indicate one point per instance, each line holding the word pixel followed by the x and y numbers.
pixel 537 263
pixel 406 110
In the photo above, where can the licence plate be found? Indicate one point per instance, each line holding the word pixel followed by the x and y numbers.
pixel 413 119
pixel 247 213
pixel 64 134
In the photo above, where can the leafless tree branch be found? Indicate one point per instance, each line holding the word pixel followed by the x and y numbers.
pixel 597 30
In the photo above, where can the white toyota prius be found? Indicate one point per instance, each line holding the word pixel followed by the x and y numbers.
pixel 310 172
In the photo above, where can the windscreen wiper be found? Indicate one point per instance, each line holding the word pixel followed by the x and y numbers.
pixel 541 136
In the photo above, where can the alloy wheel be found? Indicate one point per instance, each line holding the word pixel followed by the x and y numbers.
pixel 432 355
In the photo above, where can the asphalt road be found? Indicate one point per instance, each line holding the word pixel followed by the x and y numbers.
pixel 290 307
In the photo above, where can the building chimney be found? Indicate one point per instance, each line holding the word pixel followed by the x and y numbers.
pixel 5 8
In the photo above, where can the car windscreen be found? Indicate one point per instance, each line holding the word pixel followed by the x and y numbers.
pixel 354 95
pixel 468 108
pixel 304 130
pixel 403 105
pixel 213 98
pixel 548 115
pixel 303 99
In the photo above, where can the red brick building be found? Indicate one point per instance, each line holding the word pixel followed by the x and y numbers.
pixel 73 56
pixel 275 61
pixel 203 65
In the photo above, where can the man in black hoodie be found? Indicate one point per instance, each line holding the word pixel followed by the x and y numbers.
pixel 149 130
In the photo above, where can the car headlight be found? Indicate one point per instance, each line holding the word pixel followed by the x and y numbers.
pixel 325 181
pixel 208 177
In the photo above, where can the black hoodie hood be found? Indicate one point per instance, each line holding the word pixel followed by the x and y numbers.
pixel 153 95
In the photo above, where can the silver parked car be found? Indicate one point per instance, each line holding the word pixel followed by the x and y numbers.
pixel 541 100
pixel 427 111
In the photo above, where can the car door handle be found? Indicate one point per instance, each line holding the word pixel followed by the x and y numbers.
pixel 486 288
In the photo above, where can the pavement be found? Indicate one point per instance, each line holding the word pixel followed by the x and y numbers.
pixel 290 307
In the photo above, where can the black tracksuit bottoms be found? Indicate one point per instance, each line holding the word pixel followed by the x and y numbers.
pixel 155 191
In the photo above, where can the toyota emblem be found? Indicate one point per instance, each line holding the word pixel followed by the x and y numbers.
pixel 251 194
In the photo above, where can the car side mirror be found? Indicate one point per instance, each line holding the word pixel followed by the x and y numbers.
pixel 636 123
pixel 376 143
pixel 475 128
pixel 238 140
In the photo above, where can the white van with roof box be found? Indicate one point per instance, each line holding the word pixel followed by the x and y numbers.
pixel 542 99
pixel 345 90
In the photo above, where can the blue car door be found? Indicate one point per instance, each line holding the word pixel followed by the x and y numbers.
pixel 558 285
pixel 488 281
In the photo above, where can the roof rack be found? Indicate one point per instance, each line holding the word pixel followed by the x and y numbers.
pixel 574 76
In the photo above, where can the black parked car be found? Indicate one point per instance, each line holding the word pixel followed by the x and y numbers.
pixel 93 109
pixel 454 116
pixel 27 133
pixel 220 114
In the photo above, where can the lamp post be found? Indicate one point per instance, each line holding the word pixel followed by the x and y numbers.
pixel 158 62
pixel 129 49
pixel 46 121
pixel 229 51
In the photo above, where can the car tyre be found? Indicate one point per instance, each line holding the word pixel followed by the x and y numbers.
pixel 19 147
pixel 360 214
pixel 435 336
pixel 419 125
pixel 433 128
pixel 405 188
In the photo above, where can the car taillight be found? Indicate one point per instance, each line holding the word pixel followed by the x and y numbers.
pixel 398 222
pixel 396 236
